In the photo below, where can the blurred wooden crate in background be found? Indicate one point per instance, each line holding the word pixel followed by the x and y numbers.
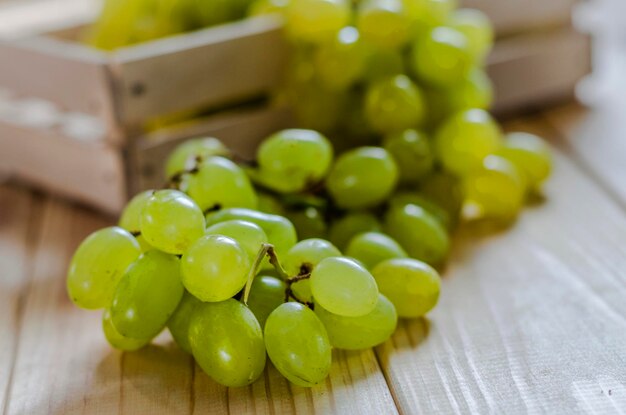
pixel 539 57
pixel 72 117
pixel 522 16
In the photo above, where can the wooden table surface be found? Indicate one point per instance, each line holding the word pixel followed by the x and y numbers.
pixel 531 320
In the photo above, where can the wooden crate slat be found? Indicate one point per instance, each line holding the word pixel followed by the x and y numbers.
pixel 516 16
pixel 220 65
pixel 19 213
pixel 539 68
pixel 240 130
pixel 530 320
pixel 90 172
pixel 72 76
pixel 25 18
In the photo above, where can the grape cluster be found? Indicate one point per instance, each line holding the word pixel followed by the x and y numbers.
pixel 126 22
pixel 407 76
pixel 319 243
pixel 233 284
pixel 201 261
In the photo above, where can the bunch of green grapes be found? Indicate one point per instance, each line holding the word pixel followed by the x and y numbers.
pixel 233 284
pixel 408 76
pixel 126 22
pixel 337 228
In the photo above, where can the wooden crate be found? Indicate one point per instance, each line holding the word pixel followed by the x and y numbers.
pixel 523 16
pixel 72 117
pixel 538 58
pixel 538 69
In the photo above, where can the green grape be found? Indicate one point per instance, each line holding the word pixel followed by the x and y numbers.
pixel 302 258
pixel 260 7
pixel 297 344
pixel 383 64
pixel 441 57
pixel 413 154
pixel 316 106
pixel 438 106
pixel 227 342
pixel 446 191
pixel 185 156
pixel 384 23
pixel 267 203
pixel 363 332
pixel 211 13
pixel 266 294
pixel 496 190
pixel 474 91
pixel 363 177
pixel 427 14
pixel 477 28
pixel 309 222
pixel 294 159
pixel 353 127
pixel 465 139
pixel 118 341
pixel 411 285
pixel 131 217
pixel 444 217
pixel 147 295
pixel 171 221
pixel 343 287
pixel 530 154
pixel 179 322
pixel 97 266
pixel 220 183
pixel 394 104
pixel 373 247
pixel 352 224
pixel 215 268
pixel 249 235
pixel 316 21
pixel 418 232
pixel 340 63
pixel 114 27
pixel 279 230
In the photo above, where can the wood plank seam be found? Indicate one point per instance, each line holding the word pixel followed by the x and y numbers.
pixel 32 237
pixel 388 381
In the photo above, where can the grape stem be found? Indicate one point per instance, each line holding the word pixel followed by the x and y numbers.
pixel 264 250
pixel 268 249
pixel 175 179
pixel 289 292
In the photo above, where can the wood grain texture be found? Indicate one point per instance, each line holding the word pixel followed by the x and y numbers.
pixel 18 231
pixel 212 67
pixel 22 18
pixel 92 172
pixel 531 320
pixel 241 130
pixel 537 69
pixel 59 72
pixel 515 16
pixel 595 138
pixel 64 366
